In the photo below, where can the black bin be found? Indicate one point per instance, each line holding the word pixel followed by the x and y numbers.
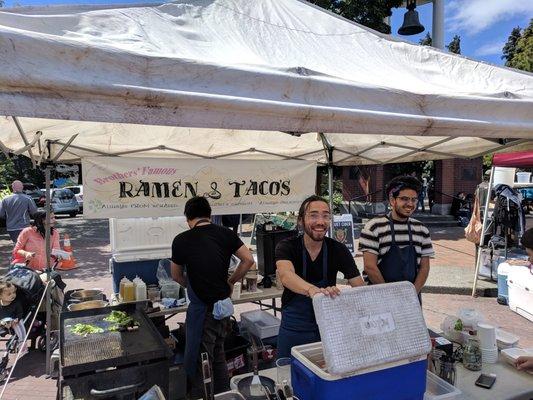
pixel 266 244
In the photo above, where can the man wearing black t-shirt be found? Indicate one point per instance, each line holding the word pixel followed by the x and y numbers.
pixel 308 265
pixel 200 261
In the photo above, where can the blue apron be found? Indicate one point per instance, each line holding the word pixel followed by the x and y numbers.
pixel 194 327
pixel 298 323
pixel 399 264
pixel 194 331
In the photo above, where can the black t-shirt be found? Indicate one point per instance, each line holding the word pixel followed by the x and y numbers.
pixel 206 251
pixel 13 310
pixel 339 260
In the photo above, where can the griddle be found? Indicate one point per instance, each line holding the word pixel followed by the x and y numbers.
pixel 98 351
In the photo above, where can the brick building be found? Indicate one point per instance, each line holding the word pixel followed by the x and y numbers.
pixel 451 176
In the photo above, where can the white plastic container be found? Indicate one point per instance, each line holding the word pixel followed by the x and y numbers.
pixel 140 289
pixel 506 340
pixel 504 175
pixel 438 389
pixel 523 177
pixel 520 283
pixel 510 355
pixel 260 323
pixel 236 294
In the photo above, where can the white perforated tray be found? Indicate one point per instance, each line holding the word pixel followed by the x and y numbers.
pixel 371 325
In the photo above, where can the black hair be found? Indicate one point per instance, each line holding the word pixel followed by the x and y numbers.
pixel 39 219
pixel 197 207
pixel 527 239
pixel 396 185
pixel 305 205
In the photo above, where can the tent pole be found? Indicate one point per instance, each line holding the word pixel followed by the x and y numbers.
pixel 484 226
pixel 328 148
pixel 330 190
pixel 24 139
pixel 48 268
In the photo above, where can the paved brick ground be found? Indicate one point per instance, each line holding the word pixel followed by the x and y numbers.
pixel 91 245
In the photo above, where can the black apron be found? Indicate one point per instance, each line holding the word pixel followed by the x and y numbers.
pixel 195 318
pixel 298 323
pixel 399 264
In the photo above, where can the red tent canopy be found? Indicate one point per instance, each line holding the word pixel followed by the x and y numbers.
pixel 521 159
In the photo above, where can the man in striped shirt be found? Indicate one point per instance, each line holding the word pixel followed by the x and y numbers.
pixel 397 247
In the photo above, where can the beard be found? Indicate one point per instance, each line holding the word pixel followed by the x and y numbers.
pixel 402 212
pixel 316 236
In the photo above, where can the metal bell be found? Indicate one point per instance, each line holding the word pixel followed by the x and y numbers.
pixel 411 23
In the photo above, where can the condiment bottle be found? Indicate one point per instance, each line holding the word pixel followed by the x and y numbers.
pixel 129 291
pixel 123 281
pixel 140 289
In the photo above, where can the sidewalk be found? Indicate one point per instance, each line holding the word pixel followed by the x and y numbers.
pixel 448 289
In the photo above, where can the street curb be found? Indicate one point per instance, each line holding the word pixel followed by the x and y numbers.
pixel 480 292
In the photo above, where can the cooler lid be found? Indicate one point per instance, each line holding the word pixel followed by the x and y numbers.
pixel 135 235
pixel 371 325
pixel 521 277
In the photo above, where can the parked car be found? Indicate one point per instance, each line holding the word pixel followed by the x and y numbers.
pixel 63 201
pixel 78 192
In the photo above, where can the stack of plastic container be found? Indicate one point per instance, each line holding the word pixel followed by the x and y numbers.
pixel 374 346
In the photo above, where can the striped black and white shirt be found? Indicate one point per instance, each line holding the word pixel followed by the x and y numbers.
pixel 376 237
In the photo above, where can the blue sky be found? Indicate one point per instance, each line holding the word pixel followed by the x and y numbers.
pixel 484 25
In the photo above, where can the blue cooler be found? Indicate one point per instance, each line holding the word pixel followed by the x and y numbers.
pixel 398 381
pixel 374 346
pixel 137 245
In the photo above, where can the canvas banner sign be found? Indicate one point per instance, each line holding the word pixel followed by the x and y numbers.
pixel 118 187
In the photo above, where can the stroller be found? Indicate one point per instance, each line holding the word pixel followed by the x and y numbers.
pixel 30 290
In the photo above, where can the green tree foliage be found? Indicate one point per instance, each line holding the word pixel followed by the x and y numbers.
pixel 21 168
pixel 509 49
pixel 426 41
pixel 522 58
pixel 368 13
pixel 455 45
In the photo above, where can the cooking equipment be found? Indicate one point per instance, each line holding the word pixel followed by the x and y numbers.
pixel 111 364
pixel 86 305
pixel 206 374
pixel 86 295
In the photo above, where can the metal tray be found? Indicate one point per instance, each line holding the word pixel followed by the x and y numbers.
pixel 108 349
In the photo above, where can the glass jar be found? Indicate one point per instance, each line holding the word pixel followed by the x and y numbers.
pixel 472 355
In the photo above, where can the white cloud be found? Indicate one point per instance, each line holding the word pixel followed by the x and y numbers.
pixel 473 16
pixel 491 48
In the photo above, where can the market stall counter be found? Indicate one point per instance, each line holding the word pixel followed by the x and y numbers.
pixel 510 383
pixel 246 297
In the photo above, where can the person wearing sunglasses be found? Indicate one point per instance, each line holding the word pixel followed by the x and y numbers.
pixel 397 247
pixel 307 265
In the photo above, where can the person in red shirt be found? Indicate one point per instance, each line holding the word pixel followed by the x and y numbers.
pixel 30 247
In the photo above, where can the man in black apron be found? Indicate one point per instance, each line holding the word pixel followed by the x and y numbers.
pixel 397 247
pixel 308 265
pixel 205 251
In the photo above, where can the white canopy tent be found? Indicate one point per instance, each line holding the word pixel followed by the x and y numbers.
pixel 223 68
pixel 125 80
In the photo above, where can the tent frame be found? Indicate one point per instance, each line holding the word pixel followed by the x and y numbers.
pixel 47 160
